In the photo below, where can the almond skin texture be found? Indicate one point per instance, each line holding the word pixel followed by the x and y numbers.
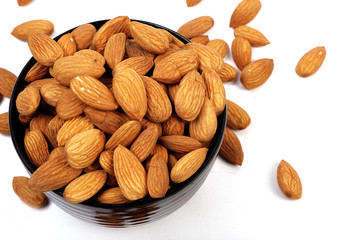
pixel 157 177
pixel 158 103
pixel 106 161
pixel 215 90
pixel 44 49
pixel 53 128
pixel 112 196
pixel 289 181
pixel 145 143
pixel 40 122
pixel 115 49
pixel 4 123
pixel 36 147
pixel 186 166
pixel 141 65
pixel 130 174
pixel 93 93
pixel 237 117
pixel 191 3
pixel 67 43
pixel 245 12
pixel 241 52
pixel 203 39
pixel 84 147
pixel 83 36
pixel 255 38
pixel 219 45
pixel 28 100
pixel 85 186
pixel 173 126
pixel 51 93
pixel 130 93
pixel 311 62
pixel 31 198
pixel 7 81
pixel 149 38
pixel 91 54
pixel 69 105
pixel 256 73
pixel 37 71
pixel 228 73
pixel 124 136
pixel 133 49
pixel 24 30
pixel 72 127
pixel 196 27
pixel 179 143
pixel 231 149
pixel 54 173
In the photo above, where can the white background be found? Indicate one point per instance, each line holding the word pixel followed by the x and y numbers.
pixel 312 123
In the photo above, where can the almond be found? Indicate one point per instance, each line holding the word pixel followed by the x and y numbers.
pixel 160 150
pixel 145 143
pixel 83 36
pixel 133 49
pixel 69 105
pixel 219 45
pixel 40 122
pixel 241 52
pixel 256 73
pixel 84 147
pixel 173 126
pixel 4 123
pixel 24 30
pixel 245 12
pixel 207 56
pixel 190 96
pixel 44 49
pixel 85 186
pixel 53 128
pixel 22 3
pixel 171 161
pixel 255 38
pixel 72 127
pixel 215 90
pixel 91 54
pixel 237 117
pixel 124 136
pixel 172 90
pixel 141 65
pixel 130 93
pixel 196 26
pixel 179 143
pixel 289 181
pixel 106 121
pixel 228 73
pixel 149 38
pixel 37 71
pixel 203 128
pixel 67 43
pixel 51 93
pixel 173 67
pixel 158 103
pixel 36 147
pixel 112 196
pixel 7 82
pixel 191 3
pixel 231 149
pixel 311 62
pixel 157 177
pixel 185 167
pixel 106 161
pixel 93 93
pixel 66 68
pixel 147 124
pixel 115 49
pixel 203 39
pixel 54 173
pixel 28 100
pixel 130 174
pixel 41 82
pixel 31 198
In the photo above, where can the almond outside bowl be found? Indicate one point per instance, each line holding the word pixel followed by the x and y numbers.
pixel 121 215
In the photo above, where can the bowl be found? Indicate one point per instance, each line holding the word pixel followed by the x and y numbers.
pixel 139 212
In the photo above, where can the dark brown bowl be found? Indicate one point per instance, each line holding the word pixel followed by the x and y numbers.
pixel 120 215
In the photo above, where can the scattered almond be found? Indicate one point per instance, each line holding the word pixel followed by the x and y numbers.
pixel 31 198
pixel 255 38
pixel 241 52
pixel 44 49
pixel 7 82
pixel 231 149
pixel 24 30
pixel 237 117
pixel 4 123
pixel 256 73
pixel 311 62
pixel 289 181
pixel 196 26
pixel 191 3
pixel 245 12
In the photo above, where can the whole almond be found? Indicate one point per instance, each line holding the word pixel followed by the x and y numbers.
pixel 22 3
pixel 53 128
pixel 256 73
pixel 54 173
pixel 37 71
pixel 7 81
pixel 185 167
pixel 159 107
pixel 84 147
pixel 228 73
pixel 196 26
pixel 145 143
pixel 202 39
pixel 179 143
pixel 219 45
pixel 208 57
pixel 245 12
pixel 67 43
pixel 28 100
pixel 36 147
pixel 255 38
pixel 83 36
pixel 4 123
pixel 72 127
pixel 157 177
pixel 241 52
pixel 191 3
pixel 133 49
pixel 130 93
pixel 289 181
pixel 112 196
pixel 124 136
pixel 237 117
pixel 149 38
pixel 93 93
pixel 141 65
pixel 51 93
pixel 91 54
pixel 311 62
pixel 31 198
pixel 215 90
pixel 173 126
pixel 66 68
pixel 115 49
pixel 106 161
pixel 130 174
pixel 44 49
pixel 190 96
pixel 231 149
pixel 85 186
pixel 24 30
pixel 69 105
